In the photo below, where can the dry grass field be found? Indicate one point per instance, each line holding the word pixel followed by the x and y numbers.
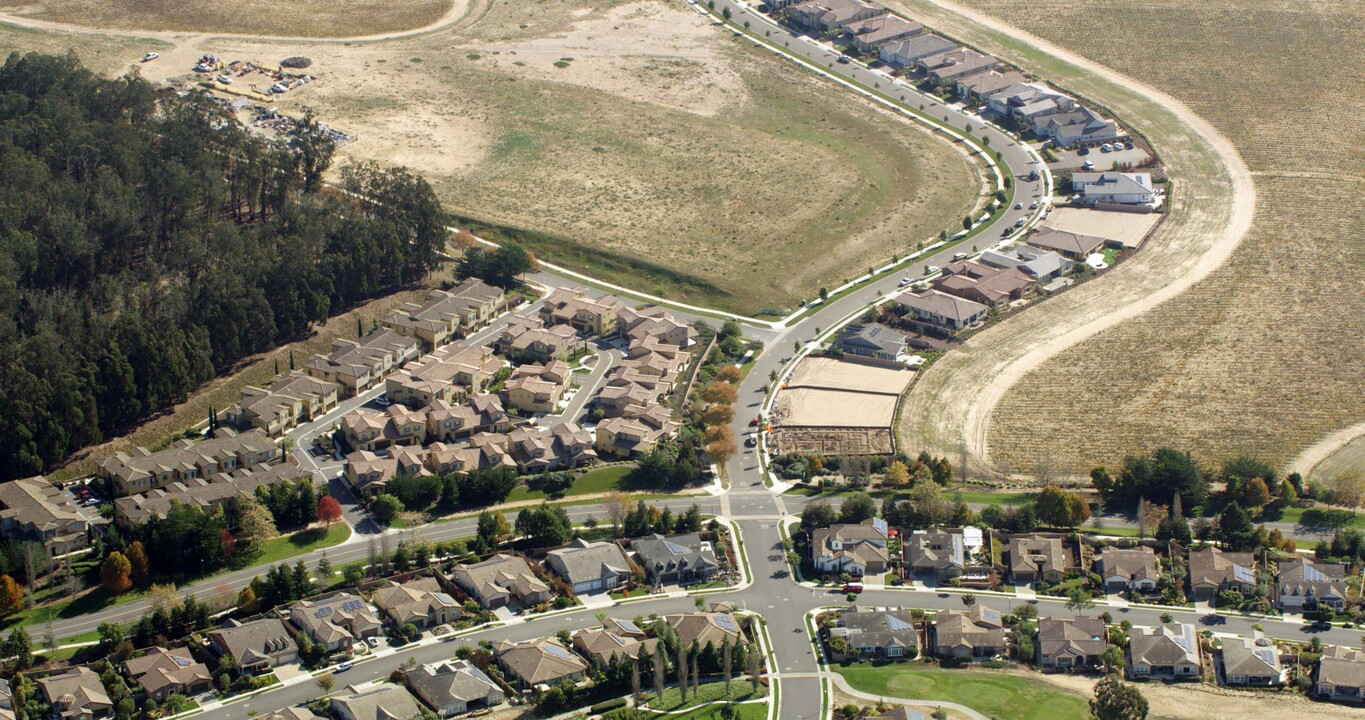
pixel 306 18
pixel 1264 355
pixel 107 54
pixel 649 147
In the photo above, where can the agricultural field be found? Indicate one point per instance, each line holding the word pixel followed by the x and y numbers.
pixel 1197 341
pixel 307 18
pixel 637 142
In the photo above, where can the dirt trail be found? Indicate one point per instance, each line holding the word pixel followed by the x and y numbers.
pixel 1189 701
pixel 955 400
pixel 1312 456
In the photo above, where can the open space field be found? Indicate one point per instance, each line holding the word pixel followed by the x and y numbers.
pixel 1350 456
pixel 1263 354
pixel 995 693
pixel 109 54
pixel 307 18
pixel 831 374
pixel 1127 228
pixel 808 407
pixel 640 144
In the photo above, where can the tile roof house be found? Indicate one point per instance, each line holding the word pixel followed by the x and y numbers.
pixel 600 645
pixel 1211 570
pixel 419 601
pixel 977 633
pixel 358 365
pixel 453 687
pixel 206 493
pixel 287 401
pixel 653 327
pixel 396 425
pixel 76 694
pixel 870 34
pixel 369 473
pixel 854 549
pixel 676 559
pixel 1341 674
pixel 942 311
pixel 1067 643
pixel 1168 651
pixel 142 470
pixel 871 340
pixel 501 580
pixel 1070 245
pixel 1122 569
pixel 826 15
pixel 1034 558
pixel 478 414
pixel 1252 662
pixel 563 446
pixel 528 339
pixel 991 286
pixel 590 567
pixel 946 68
pixel 161 672
pixel 538 388
pixel 450 373
pixel 336 622
pixel 906 52
pixel 706 628
pixel 1029 103
pixel 1303 585
pixel 292 713
pixel 36 510
pixel 543 661
pixel 257 645
pixel 941 552
pixel 1041 265
pixel 986 84
pixel 381 702
pixel 577 308
pixel 637 431
pixel 1080 126
pixel 1114 187
pixel 447 314
pixel 880 633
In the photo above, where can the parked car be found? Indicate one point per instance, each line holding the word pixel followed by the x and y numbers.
pixel 843 60
pixel 754 422
pixel 1019 222
pixel 343 667
pixel 853 587
pixel 1127 146
pixel 150 56
pixel 903 282
pixel 1088 165
pixel 959 256
pixel 1083 151
pixel 751 441
pixel 224 79
pixel 1033 205
pixel 1019 206
pixel 930 269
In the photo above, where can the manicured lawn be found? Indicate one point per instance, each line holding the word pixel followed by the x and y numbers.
pixel 303 541
pixel 1295 515
pixel 592 482
pixel 990 498
pixel 1009 697
pixel 740 689
pixel 1117 531
pixel 749 711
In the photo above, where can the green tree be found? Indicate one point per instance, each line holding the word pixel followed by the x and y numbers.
pixel 856 508
pixel 19 648
pixel 817 515
pixel 254 521
pixel 1235 530
pixel 1117 700
pixel 494 528
pixel 385 508
pixel 545 526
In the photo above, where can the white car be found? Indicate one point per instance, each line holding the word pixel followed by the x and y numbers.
pixel 372 641
pixel 150 56
pixel 931 269
pixel 1033 205
pixel 903 282
pixel 959 256
pixel 1018 206
pixel 224 79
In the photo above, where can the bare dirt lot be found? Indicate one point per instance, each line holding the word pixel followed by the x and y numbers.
pixel 809 407
pixel 833 441
pixel 1127 228
pixel 309 18
pixel 819 372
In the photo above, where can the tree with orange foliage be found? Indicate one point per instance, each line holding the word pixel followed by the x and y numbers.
pixel 137 559
pixel 720 392
pixel 329 510
pixel 115 573
pixel 718 414
pixel 729 373
pixel 11 596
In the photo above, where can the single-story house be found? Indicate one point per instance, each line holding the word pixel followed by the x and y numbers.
pixel 590 566
pixel 1249 662
pixel 542 661
pixel 381 702
pixel 419 601
pixel 889 634
pixel 676 559
pixel 1304 585
pixel 1071 643
pixel 859 549
pixel 871 340
pixel 502 579
pixel 1341 674
pixel 1114 187
pixel 1168 651
pixel 1211 571
pixel 1035 558
pixel 977 633
pixel 941 310
pixel 453 687
pixel 1122 569
pixel 161 672
pixel 257 645
pixel 1071 245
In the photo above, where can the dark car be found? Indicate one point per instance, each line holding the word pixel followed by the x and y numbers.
pixel 843 59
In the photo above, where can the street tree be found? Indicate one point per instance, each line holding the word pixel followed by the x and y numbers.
pixel 329 510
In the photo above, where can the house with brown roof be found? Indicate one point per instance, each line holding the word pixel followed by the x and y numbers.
pixel 142 470
pixel 216 490
pixel 854 549
pixel 448 314
pixel 706 628
pixel 1304 585
pixel 1124 569
pixel 946 68
pixel 590 567
pixel 977 633
pixel 600 645
pixel 990 286
pixel 634 433
pixel 501 580
pixel 450 373
pixel 161 672
pixel 35 510
pixel 1169 651
pixel 577 308
pixel 1071 643
pixel 878 633
pixel 528 339
pixel 939 551
pixel 287 401
pixel 380 702
pixel 1211 571
pixel 906 52
pixel 1251 662
pixel 395 426
pixel 358 365
pixel 653 327
pixel 419 601
pixel 76 694
pixel 564 446
pixel 337 621
pixel 257 646
pixel 1036 558
pixel 369 473
pixel 485 451
pixel 1070 245
pixel 676 559
pixel 870 34
pixel 446 422
pixel 941 311
pixel 983 85
pixel 1341 674
pixel 543 661
pixel 538 388
pixel 453 687
pixel 827 15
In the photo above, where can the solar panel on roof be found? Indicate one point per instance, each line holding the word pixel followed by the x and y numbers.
pixel 322 612
pixel 1245 575
pixel 896 624
pixel 558 651
pixel 1313 574
pixel 727 622
pixel 444 599
pixel 352 605
pixel 182 661
pixel 628 625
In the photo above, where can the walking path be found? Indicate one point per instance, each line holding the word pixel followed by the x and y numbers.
pixel 844 687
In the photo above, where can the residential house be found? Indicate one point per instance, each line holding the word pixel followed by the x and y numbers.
pixel 358 365
pixel 1341 674
pixel 942 311
pixel 257 646
pixel 161 672
pixel 533 663
pixel 1070 245
pixel 1114 187
pixel 634 433
pixel 336 622
pixel 1071 643
pixel 1028 103
pixel 564 446
pixel 287 401
pixel 450 373
pixel 940 552
pixel 827 15
pixel 453 687
pixel 380 702
pixel 208 492
pixel 676 559
pixel 141 470
pixel 538 388
pixel 706 628
pixel 872 340
pixel 878 634
pixel 989 286
pixel 946 68
pixel 983 85
pixel 616 638
pixel 1081 126
pixel 447 314
pixel 575 307
pixel 1041 265
pixel 369 473
pixel 292 713
pixel 502 580
pixel 1252 662
pixel 899 713
pixel 419 601
pixel 1211 571
pixel 854 549
pixel 653 327
pixel 395 426
pixel 76 694
pixel 1134 569
pixel 1169 651
pixel 977 633
pixel 590 567
pixel 478 414
pixel 35 510
pixel 870 34
pixel 907 52
pixel 1034 558
pixel 527 339
pixel 1304 585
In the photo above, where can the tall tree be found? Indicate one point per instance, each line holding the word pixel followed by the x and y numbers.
pixel 115 573
pixel 1117 700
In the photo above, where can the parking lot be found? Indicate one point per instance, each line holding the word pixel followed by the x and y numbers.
pixel 1073 160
